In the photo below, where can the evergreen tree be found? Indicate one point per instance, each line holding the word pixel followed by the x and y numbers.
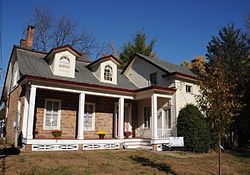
pixel 223 83
pixel 193 127
pixel 233 47
pixel 138 45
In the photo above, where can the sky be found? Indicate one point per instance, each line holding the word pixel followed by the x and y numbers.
pixel 182 28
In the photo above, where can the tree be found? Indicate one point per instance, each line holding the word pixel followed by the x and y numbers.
pixel 233 46
pixel 193 126
pixel 51 32
pixel 221 84
pixel 196 65
pixel 138 45
pixel 186 64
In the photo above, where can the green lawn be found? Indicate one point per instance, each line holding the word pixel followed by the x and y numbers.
pixel 120 162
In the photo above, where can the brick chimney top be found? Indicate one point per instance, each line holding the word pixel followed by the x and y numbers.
pixel 30 37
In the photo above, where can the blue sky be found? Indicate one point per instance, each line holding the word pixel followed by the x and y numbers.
pixel 182 28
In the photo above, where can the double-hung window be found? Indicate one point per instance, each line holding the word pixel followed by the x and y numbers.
pixel 89 117
pixel 188 88
pixel 52 114
pixel 108 73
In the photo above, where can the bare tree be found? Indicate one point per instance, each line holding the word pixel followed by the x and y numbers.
pixel 52 32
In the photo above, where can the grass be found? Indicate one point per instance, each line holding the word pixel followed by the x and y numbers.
pixel 122 162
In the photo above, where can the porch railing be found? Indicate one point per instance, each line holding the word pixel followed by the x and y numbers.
pixel 163 133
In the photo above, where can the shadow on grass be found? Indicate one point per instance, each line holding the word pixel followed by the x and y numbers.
pixel 147 162
pixel 4 152
pixel 241 153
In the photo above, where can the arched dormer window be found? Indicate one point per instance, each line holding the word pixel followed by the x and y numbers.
pixel 64 62
pixel 108 72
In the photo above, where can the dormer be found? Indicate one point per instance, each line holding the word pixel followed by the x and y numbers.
pixel 62 61
pixel 105 69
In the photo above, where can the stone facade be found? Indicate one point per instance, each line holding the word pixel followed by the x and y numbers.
pixel 104 108
pixel 104 114
pixel 12 103
pixel 69 108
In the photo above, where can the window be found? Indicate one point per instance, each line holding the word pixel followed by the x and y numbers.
pixel 89 117
pixel 64 62
pixel 52 114
pixel 108 73
pixel 188 88
pixel 167 118
pixel 147 117
pixel 153 79
pixel 64 65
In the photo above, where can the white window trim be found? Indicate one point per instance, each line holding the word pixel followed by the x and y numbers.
pixel 191 88
pixel 62 64
pixel 59 115
pixel 110 73
pixel 114 73
pixel 146 127
pixel 93 118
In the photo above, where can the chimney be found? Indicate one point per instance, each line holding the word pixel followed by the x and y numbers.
pixel 30 37
pixel 194 64
pixel 22 43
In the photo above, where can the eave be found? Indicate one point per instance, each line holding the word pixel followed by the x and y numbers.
pixel 95 86
pixel 180 75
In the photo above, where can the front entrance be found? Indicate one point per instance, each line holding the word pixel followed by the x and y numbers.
pixel 127 118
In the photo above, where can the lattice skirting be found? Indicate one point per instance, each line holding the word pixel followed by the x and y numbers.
pixel 97 146
pixel 54 147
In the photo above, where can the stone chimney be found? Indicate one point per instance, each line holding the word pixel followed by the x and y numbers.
pixel 30 37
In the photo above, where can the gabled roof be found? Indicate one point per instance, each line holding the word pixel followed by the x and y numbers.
pixel 102 59
pixel 169 68
pixel 62 48
pixel 34 64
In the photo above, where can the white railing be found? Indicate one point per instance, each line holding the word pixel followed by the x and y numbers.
pixel 163 133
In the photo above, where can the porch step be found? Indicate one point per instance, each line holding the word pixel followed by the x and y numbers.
pixel 137 144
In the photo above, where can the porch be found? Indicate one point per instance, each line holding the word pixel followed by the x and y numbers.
pixel 93 144
pixel 84 113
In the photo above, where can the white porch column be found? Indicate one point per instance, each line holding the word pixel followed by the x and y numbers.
pixel 121 118
pixel 80 134
pixel 154 116
pixel 25 113
pixel 31 112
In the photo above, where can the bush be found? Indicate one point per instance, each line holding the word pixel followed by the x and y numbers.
pixel 193 127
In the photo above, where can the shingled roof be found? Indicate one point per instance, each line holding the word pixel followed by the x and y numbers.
pixel 169 67
pixel 33 63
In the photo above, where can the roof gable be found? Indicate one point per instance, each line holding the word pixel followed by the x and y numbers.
pixel 165 66
pixel 106 58
pixel 64 48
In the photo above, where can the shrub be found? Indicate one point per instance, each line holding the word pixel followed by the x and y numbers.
pixel 193 127
pixel 56 133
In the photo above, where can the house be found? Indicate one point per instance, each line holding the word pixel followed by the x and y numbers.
pixel 62 90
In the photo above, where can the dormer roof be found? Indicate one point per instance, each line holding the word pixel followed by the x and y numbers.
pixel 64 48
pixel 106 58
pixel 32 63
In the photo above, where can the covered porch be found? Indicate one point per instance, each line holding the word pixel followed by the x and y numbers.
pixel 113 113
